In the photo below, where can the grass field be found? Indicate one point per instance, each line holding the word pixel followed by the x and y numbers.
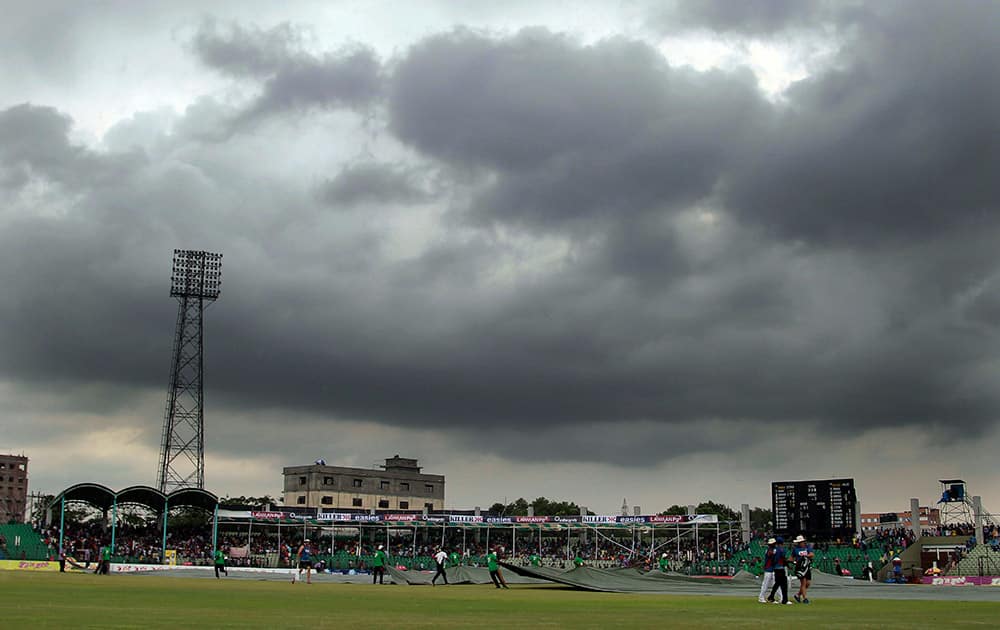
pixel 36 600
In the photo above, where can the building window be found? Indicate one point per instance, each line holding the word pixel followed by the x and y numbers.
pixel 383 504
pixel 327 481
pixel 357 483
pixel 404 505
pixel 302 481
pixel 356 502
pixel 327 500
pixel 404 486
pixel 429 487
pixel 384 485
pixel 429 506
pixel 301 500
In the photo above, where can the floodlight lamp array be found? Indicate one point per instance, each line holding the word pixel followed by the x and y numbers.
pixel 196 274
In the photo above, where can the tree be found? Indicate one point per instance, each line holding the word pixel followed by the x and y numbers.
pixel 541 507
pixel 189 517
pixel 39 506
pixel 241 502
pixel 724 512
pixel 761 518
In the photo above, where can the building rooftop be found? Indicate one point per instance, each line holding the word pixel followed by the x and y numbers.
pixel 400 464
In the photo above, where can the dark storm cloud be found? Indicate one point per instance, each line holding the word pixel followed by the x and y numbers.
pixel 290 77
pixel 627 250
pixel 33 140
pixel 901 139
pixel 569 130
pixel 372 182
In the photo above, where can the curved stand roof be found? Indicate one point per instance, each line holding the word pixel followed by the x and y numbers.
pixel 102 497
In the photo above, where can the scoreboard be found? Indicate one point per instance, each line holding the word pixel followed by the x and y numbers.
pixel 820 510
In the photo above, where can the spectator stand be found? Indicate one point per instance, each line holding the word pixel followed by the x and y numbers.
pixel 108 503
pixel 345 540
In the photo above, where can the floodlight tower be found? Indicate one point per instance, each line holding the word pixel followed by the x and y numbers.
pixel 195 282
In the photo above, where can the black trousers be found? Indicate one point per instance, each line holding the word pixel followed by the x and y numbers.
pixel 780 581
pixel 220 567
pixel 378 573
pixel 495 578
pixel 440 572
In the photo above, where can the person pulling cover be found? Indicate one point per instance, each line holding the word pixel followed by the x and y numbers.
pixel 494 566
pixel 378 565
pixel 440 558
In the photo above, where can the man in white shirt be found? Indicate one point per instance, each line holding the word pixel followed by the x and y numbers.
pixel 440 558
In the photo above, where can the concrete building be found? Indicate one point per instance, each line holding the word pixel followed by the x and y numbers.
pixel 13 488
pixel 930 518
pixel 398 486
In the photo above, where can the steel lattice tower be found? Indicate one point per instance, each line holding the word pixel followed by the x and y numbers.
pixel 195 282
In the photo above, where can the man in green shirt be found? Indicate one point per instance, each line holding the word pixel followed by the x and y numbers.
pixel 220 563
pixel 378 565
pixel 577 561
pixel 454 558
pixel 535 560
pixel 664 563
pixel 493 564
pixel 104 568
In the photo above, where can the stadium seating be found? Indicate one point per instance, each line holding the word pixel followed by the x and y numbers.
pixel 981 560
pixel 852 559
pixel 31 546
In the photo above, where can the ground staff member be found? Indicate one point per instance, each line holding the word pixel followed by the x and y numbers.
pixel 440 557
pixel 767 580
pixel 494 566
pixel 378 565
pixel 104 564
pixel 220 563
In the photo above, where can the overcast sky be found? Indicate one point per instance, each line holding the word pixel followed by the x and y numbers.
pixel 663 251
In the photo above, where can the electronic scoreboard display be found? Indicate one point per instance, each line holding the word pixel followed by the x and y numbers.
pixel 820 510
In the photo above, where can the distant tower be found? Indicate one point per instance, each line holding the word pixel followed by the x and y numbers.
pixel 625 507
pixel 196 281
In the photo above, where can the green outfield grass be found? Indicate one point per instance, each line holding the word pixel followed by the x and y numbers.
pixel 36 600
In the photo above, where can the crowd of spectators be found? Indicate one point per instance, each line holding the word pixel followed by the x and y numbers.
pixel 133 543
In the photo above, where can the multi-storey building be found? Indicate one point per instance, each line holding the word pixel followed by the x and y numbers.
pixel 399 485
pixel 930 518
pixel 13 488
